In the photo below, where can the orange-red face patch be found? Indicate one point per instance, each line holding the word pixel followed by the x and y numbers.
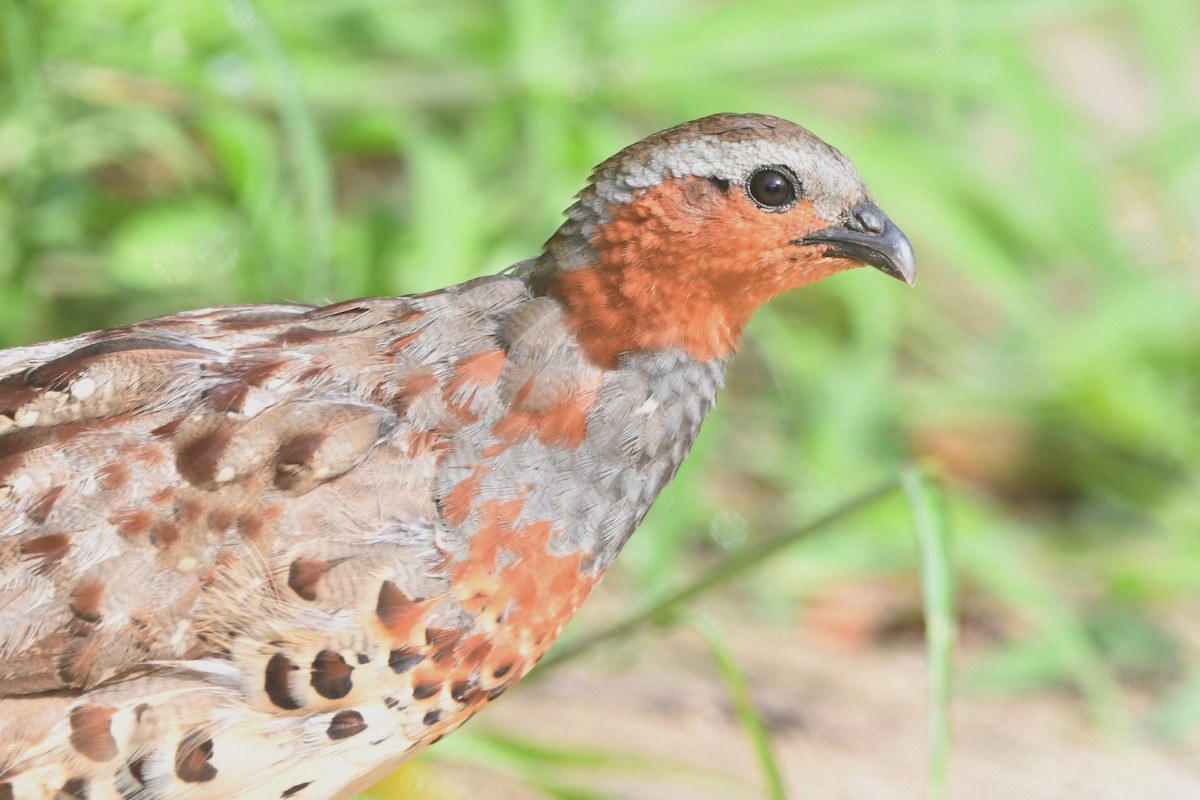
pixel 685 265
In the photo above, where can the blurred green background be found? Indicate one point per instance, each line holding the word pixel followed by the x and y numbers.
pixel 1044 157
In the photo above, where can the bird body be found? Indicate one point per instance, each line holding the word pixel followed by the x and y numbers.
pixel 274 550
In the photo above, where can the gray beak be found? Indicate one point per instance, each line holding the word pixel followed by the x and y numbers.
pixel 869 236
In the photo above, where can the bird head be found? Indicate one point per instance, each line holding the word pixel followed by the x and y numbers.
pixel 683 235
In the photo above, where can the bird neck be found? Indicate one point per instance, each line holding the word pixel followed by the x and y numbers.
pixel 660 272
pixel 639 439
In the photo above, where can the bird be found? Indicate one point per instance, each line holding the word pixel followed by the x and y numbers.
pixel 275 550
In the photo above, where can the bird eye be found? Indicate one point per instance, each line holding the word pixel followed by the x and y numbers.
pixel 772 189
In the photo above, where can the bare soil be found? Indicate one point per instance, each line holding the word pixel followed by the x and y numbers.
pixel 848 723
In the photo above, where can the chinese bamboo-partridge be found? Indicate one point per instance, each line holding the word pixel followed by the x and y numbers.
pixel 272 551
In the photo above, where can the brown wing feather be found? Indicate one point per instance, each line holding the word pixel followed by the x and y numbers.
pixel 148 472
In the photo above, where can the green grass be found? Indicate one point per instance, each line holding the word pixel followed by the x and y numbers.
pixel 756 729
pixel 937 602
pixel 1043 156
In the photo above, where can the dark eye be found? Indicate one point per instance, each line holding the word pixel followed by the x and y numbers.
pixel 771 188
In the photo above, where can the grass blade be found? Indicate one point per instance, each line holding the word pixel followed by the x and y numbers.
pixel 314 192
pixel 937 598
pixel 733 566
pixel 739 695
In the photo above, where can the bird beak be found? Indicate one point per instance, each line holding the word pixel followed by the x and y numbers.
pixel 869 236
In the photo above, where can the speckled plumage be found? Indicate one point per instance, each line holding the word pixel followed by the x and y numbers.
pixel 272 551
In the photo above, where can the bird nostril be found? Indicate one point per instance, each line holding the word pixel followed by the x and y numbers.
pixel 870 218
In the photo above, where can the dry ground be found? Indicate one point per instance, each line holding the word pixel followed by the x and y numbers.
pixel 849 723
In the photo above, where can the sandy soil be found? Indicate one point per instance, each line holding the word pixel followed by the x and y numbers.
pixel 849 724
